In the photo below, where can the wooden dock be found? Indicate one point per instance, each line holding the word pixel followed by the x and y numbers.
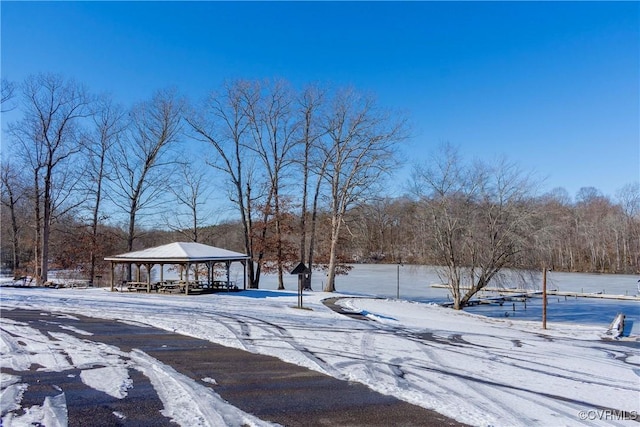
pixel 527 293
pixel 494 289
pixel 594 295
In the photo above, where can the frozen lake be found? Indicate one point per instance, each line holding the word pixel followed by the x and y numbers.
pixel 414 283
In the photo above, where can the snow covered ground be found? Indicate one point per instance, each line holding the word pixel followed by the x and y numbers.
pixel 478 370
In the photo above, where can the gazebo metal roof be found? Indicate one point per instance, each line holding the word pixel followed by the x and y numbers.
pixel 179 252
pixel 183 253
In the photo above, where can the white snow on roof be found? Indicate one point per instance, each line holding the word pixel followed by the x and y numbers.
pixel 180 251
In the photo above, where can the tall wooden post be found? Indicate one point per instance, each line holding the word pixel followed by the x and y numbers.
pixel 186 286
pixel 149 267
pixel 113 276
pixel 544 298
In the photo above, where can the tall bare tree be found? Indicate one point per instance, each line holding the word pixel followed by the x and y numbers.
pixel 223 123
pixel 310 104
pixel 108 123
pixel 360 148
pixel 48 140
pixel 273 129
pixel 143 160
pixel 480 220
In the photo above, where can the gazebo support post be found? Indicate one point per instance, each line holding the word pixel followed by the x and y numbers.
pixel 244 276
pixel 186 286
pixel 210 273
pixel 113 276
pixel 228 265
pixel 149 267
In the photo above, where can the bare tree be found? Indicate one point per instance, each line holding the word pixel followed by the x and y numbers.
pixel 8 91
pixel 592 228
pixel 48 140
pixel 192 193
pixel 480 220
pixel 556 234
pixel 310 104
pixel 13 192
pixel 376 230
pixel 108 123
pixel 273 128
pixel 224 124
pixel 143 160
pixel 360 146
pixel 629 198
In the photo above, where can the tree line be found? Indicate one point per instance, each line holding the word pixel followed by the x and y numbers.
pixel 84 157
pixel 304 170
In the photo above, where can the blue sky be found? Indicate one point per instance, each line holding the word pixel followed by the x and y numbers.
pixel 552 86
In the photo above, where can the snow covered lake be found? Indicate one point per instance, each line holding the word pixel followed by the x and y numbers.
pixel 478 370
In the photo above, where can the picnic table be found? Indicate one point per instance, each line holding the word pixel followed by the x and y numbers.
pixel 169 286
pixel 195 287
pixel 222 284
pixel 139 286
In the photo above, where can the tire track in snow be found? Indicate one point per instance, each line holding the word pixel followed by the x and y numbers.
pixel 282 334
pixel 240 326
pixel 459 387
pixel 187 401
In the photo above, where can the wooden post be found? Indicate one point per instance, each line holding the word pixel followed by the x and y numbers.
pixel 544 298
pixel 300 280
pixel 148 268
pixel 113 276
pixel 244 276
pixel 186 286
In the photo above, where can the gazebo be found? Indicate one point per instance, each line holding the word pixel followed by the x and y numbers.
pixel 184 254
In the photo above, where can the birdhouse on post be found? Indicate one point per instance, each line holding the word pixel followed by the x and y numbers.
pixel 302 271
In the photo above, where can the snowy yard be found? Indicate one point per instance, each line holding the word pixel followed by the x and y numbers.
pixel 477 370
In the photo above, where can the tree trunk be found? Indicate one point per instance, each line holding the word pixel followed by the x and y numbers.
pixel 279 257
pixel 38 228
pixel 252 271
pixel 336 221
pixel 314 225
pixel 94 226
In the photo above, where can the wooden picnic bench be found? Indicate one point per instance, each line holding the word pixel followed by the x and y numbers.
pixel 169 287
pixel 222 284
pixel 139 286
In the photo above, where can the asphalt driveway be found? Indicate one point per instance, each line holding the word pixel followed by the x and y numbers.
pixel 264 386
